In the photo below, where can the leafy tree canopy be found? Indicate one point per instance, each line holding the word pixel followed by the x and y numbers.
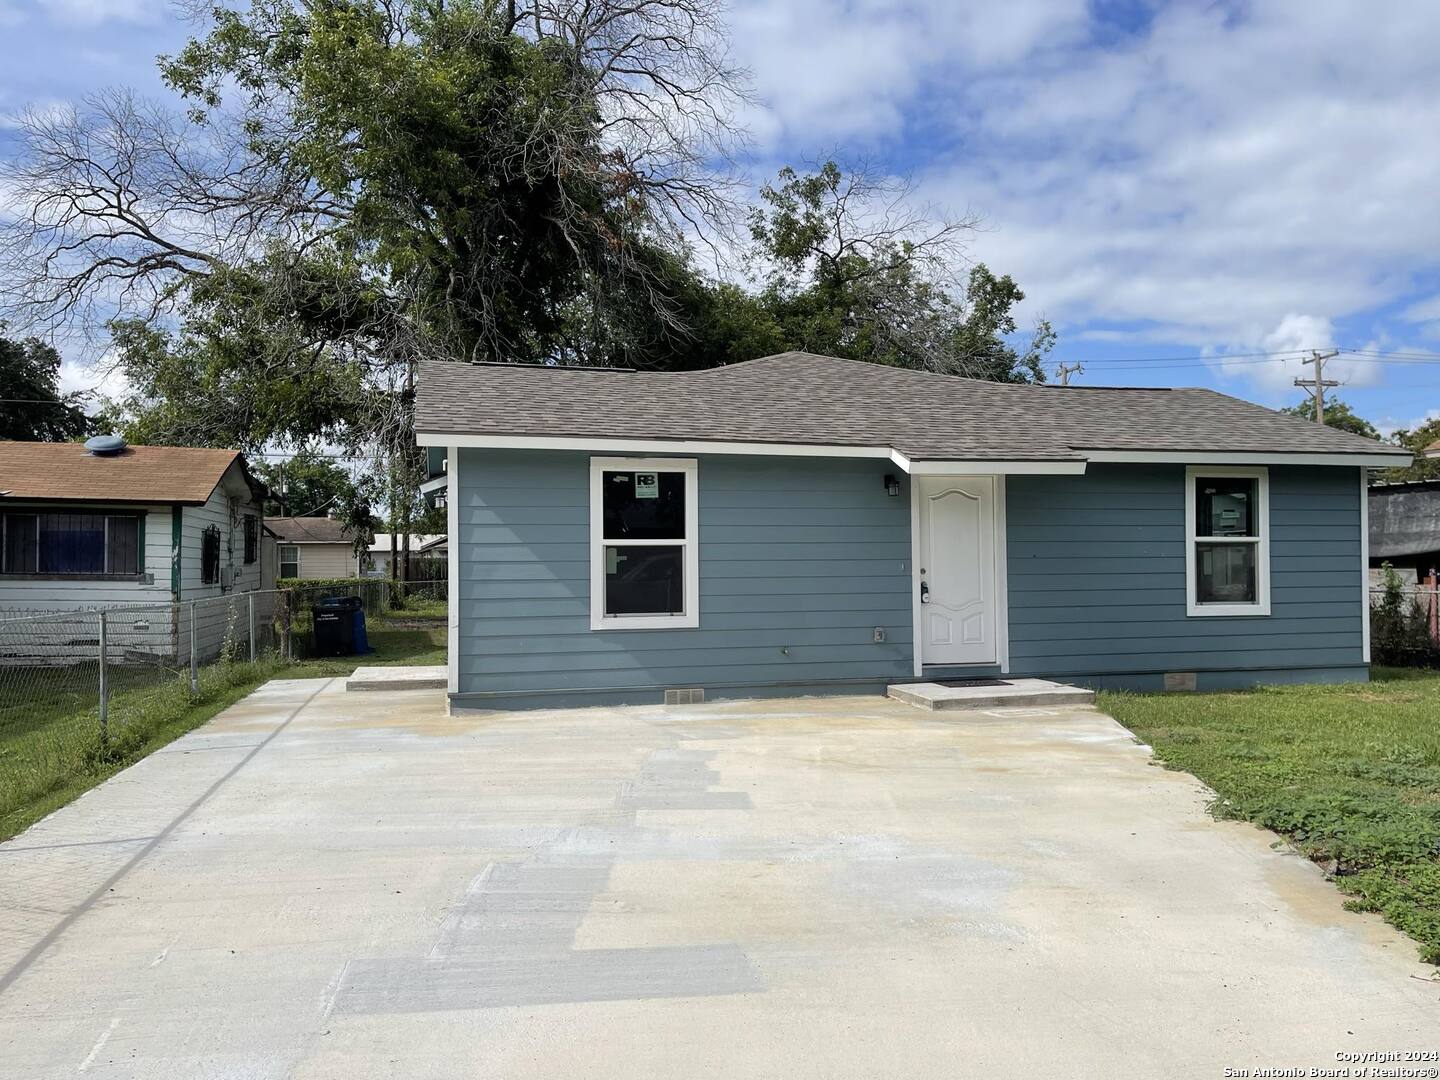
pixel 1416 441
pixel 858 270
pixel 33 409
pixel 308 484
pixel 1337 415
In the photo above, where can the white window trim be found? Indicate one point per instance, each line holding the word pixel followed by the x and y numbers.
pixel 690 618
pixel 280 559
pixel 1261 541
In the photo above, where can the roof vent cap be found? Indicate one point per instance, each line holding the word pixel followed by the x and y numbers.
pixel 105 445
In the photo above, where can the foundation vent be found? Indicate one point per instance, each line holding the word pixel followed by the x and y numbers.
pixel 684 697
pixel 1180 680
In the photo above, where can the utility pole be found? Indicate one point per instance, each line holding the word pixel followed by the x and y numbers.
pixel 1317 385
pixel 1064 371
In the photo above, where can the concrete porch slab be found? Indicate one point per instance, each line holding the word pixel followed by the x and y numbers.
pixel 1016 692
pixel 420 677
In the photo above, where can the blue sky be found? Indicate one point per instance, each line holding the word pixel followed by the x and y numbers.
pixel 1166 181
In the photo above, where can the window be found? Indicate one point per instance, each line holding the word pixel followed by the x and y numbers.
pixel 644 546
pixel 64 544
pixel 1227 557
pixel 252 538
pixel 210 555
pixel 289 560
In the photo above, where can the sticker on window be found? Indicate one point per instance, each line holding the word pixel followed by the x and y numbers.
pixel 647 485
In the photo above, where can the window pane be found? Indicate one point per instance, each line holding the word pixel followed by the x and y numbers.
pixel 20 544
pixel 643 505
pixel 72 544
pixel 1225 506
pixel 289 562
pixel 124 545
pixel 1225 573
pixel 647 580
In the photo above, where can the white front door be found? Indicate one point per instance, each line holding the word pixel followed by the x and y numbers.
pixel 957 570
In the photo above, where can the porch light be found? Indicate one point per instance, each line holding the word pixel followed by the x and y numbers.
pixel 892 485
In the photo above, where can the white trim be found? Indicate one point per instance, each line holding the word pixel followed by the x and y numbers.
pixel 1002 580
pixel 999 568
pixel 690 545
pixel 1187 457
pixel 434 484
pixel 1364 567
pixel 997 468
pixel 935 467
pixel 916 629
pixel 1261 541
pixel 280 559
pixel 452 588
pixel 657 446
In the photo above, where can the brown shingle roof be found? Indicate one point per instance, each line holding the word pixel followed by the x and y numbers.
pixel 803 398
pixel 139 474
pixel 308 530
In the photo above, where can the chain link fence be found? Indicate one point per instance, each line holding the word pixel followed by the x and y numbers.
pixel 90 686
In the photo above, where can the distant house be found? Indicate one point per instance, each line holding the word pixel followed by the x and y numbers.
pixel 1405 525
pixel 140 524
pixel 313 547
pixel 428 554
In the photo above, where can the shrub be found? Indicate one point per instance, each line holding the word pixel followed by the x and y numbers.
pixel 1399 627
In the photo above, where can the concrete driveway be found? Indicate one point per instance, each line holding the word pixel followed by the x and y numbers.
pixel 319 884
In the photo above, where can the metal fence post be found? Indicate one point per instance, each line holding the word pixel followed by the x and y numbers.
pixel 104 687
pixel 194 656
pixel 252 627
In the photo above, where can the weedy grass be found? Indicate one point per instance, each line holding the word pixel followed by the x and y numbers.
pixel 51 745
pixel 1349 774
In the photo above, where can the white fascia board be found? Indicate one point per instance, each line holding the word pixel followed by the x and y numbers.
pixel 996 468
pixel 434 484
pixel 655 446
pixel 1198 457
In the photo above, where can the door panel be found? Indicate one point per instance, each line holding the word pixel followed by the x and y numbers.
pixel 957 562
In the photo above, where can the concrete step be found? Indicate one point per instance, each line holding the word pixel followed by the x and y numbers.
pixel 1012 692
pixel 419 677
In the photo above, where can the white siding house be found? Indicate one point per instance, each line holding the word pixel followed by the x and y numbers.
pixel 313 548
pixel 148 525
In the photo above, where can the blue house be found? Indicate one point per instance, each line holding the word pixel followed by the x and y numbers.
pixel 801 524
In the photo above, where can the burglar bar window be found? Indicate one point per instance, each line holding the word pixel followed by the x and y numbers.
pixel 252 538
pixel 210 556
pixel 70 544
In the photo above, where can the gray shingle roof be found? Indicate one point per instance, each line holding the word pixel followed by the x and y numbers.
pixel 308 530
pixel 803 398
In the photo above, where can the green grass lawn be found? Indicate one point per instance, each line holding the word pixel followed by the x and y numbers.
pixel 1349 774
pixel 50 745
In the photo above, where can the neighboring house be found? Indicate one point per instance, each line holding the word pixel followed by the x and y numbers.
pixel 141 525
pixel 800 524
pixel 313 547
pixel 1405 525
pixel 426 549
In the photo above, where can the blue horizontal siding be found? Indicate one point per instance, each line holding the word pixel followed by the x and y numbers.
pixel 800 559
pixel 1097 576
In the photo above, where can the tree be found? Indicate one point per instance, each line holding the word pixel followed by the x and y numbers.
pixel 1337 415
pixel 1416 441
pixel 858 270
pixel 308 484
pixel 31 405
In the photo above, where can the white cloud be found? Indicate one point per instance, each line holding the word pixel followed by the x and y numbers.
pixel 1229 173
